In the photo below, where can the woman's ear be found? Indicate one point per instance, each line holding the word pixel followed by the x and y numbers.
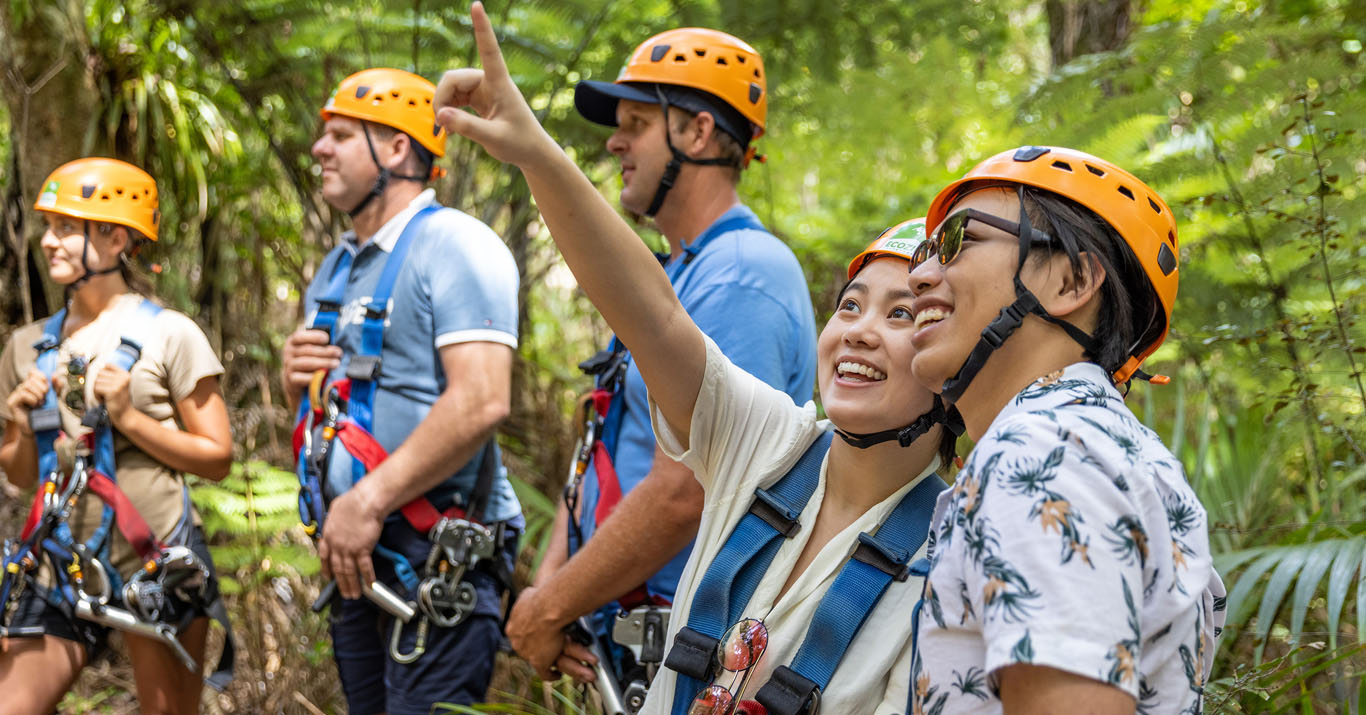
pixel 117 238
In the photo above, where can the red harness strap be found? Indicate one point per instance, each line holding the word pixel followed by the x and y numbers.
pixel 609 485
pixel 363 447
pixel 130 522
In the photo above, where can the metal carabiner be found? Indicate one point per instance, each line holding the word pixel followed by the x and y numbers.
pixel 419 647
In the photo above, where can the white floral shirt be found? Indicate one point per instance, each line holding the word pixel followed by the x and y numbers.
pixel 1071 540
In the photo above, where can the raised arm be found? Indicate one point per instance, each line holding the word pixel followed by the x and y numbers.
pixel 613 266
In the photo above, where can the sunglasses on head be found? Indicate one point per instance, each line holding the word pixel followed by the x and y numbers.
pixel 947 239
pixel 740 649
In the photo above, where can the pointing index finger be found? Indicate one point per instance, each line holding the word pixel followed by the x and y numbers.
pixel 484 38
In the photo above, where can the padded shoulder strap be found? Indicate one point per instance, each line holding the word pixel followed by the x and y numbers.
pixel 877 561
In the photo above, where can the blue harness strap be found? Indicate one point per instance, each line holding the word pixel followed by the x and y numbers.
pixel 363 370
pixel 734 574
pixel 860 584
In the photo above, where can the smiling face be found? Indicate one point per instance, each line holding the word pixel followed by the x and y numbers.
pixel 638 143
pixel 64 241
pixel 954 303
pixel 865 353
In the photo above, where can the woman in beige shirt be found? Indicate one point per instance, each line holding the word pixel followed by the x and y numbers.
pixel 167 415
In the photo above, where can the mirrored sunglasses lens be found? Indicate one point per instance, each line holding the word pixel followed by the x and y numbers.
pixel 742 645
pixel 921 253
pixel 951 237
pixel 75 384
pixel 711 700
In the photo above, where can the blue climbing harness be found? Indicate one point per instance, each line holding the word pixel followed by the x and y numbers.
pixel 734 574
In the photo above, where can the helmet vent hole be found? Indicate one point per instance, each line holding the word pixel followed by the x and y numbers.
pixel 118 192
pixel 1062 165
pixel 658 52
pixel 1171 238
pixel 740 59
pixel 700 52
pixel 412 103
pixel 393 94
pixel 1094 170
pixel 1127 193
pixel 680 57
pixel 104 197
pixel 722 61
pixel 427 100
pixel 1156 209
pixel 756 74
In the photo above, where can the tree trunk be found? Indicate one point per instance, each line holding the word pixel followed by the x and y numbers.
pixel 1082 27
pixel 46 87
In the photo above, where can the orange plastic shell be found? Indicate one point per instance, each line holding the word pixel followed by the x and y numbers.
pixel 100 189
pixel 899 241
pixel 708 60
pixel 394 98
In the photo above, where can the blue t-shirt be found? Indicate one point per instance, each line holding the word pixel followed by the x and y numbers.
pixel 458 284
pixel 746 291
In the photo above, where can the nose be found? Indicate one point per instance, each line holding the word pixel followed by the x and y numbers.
pixel 616 143
pixel 49 241
pixel 864 331
pixel 322 147
pixel 925 276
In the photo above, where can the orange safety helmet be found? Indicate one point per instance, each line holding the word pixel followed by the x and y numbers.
pixel 706 60
pixel 1131 207
pixel 394 98
pixel 106 190
pixel 899 241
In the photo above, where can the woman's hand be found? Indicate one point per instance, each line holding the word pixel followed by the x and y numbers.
pixel 28 395
pixel 111 388
pixel 505 125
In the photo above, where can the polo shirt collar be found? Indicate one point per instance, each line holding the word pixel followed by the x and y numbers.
pixel 387 235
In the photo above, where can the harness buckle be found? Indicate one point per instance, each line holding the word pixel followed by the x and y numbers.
pixel 788 692
pixel 45 419
pixel 883 556
pixel 693 654
pixel 95 417
pixel 1009 320
pixel 363 367
pixel 776 512
pixel 376 313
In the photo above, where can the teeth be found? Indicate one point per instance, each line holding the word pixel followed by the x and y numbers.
pixel 930 315
pixel 853 368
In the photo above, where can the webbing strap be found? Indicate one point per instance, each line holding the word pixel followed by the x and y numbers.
pixel 734 574
pixel 860 584
pixel 46 420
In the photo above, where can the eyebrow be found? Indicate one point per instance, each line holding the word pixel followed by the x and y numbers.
pixel 902 294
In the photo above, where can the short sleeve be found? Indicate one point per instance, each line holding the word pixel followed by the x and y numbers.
pixel 1045 531
pixel 740 427
pixel 473 283
pixel 9 376
pixel 188 358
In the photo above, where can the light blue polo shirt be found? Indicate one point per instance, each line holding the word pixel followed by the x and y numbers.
pixel 458 284
pixel 745 290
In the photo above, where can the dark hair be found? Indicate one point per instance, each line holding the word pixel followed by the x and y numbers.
pixel 128 269
pixel 1129 309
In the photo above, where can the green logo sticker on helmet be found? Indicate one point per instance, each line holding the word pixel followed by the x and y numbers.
pixel 48 198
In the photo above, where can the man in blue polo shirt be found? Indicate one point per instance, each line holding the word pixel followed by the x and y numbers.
pixel 685 108
pixel 441 387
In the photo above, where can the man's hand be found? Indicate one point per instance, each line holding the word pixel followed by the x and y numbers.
pixel 28 395
pixel 540 639
pixel 306 352
pixel 350 536
pixel 111 388
pixel 505 125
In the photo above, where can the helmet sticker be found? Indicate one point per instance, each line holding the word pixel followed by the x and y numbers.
pixel 48 199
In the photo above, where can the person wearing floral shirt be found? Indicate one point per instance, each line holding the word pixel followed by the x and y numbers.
pixel 1069 564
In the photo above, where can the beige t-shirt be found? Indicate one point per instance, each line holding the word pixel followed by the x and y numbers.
pixel 175 357
pixel 744 435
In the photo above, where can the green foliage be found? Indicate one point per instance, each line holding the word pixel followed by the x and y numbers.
pixel 251 518
pixel 1282 684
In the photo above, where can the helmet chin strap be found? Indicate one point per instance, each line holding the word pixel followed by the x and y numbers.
pixel 938 415
pixel 1009 320
pixel 85 262
pixel 677 161
pixel 381 181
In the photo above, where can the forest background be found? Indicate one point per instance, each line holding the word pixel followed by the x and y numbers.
pixel 1246 116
